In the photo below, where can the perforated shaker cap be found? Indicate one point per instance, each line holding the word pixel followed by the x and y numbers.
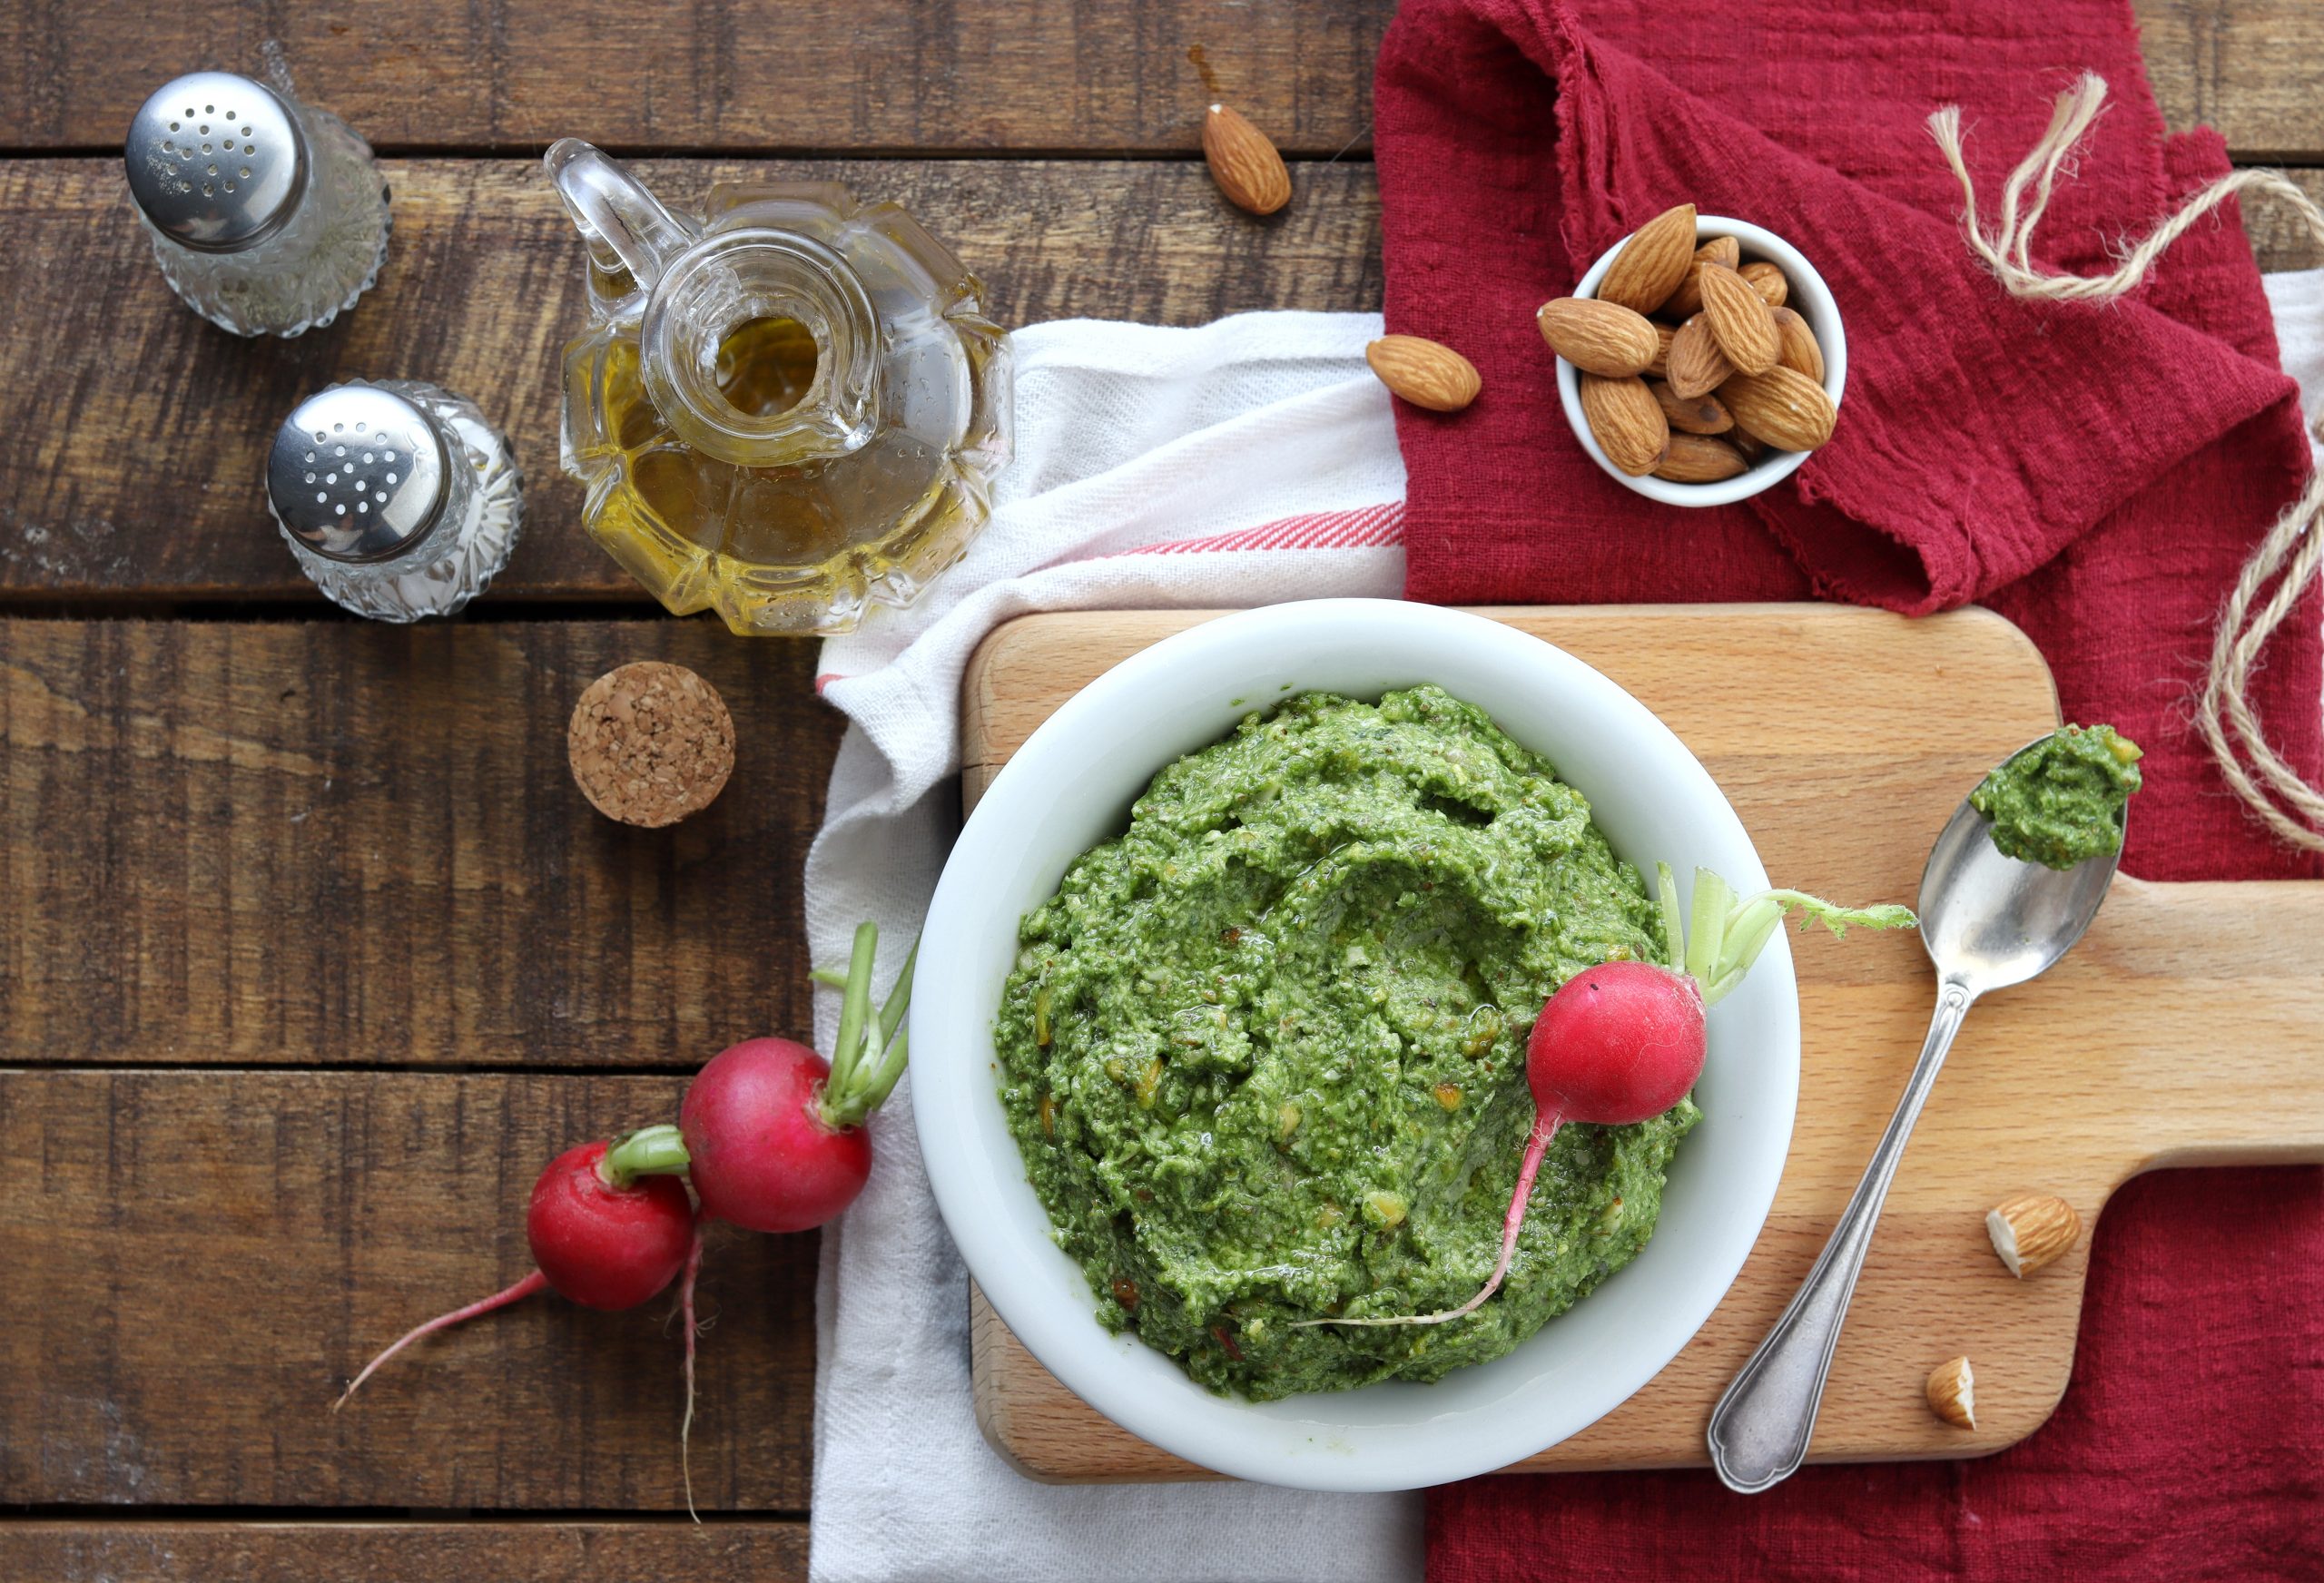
pixel 216 162
pixel 358 473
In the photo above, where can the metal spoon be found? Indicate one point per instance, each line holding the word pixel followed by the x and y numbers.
pixel 1988 922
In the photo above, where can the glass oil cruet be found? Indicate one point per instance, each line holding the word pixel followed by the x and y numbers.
pixel 783 410
pixel 267 215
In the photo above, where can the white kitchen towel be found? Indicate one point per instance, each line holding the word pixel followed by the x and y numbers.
pixel 1248 462
pixel 2296 298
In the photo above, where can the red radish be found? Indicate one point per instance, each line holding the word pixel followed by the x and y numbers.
pixel 602 1232
pixel 1623 1041
pixel 774 1137
pixel 759 1151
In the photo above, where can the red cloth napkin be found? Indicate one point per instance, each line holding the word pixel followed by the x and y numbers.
pixel 2097 474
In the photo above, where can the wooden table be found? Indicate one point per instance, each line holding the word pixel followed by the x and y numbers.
pixel 310 955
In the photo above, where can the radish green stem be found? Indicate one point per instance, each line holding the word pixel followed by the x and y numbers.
pixel 870 1053
pixel 898 997
pixel 650 1151
pixel 1674 924
pixel 829 977
pixel 856 1005
pixel 523 1289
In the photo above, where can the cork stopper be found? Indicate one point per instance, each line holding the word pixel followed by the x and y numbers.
pixel 651 742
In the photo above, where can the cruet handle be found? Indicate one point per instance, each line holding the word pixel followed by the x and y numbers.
pixel 626 226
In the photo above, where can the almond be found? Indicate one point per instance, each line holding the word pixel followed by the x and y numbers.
pixel 1768 281
pixel 2031 1229
pixel 1627 422
pixel 1661 366
pixel 1753 449
pixel 1652 262
pixel 1741 321
pixel 1242 162
pixel 1688 300
pixel 1782 407
pixel 1698 459
pixel 1599 338
pixel 1425 373
pixel 1702 415
pixel 1953 1393
pixel 1697 366
pixel 1797 347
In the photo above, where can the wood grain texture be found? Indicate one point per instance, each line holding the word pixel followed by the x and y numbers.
pixel 726 75
pixel 312 843
pixel 2112 1064
pixel 133 437
pixel 893 75
pixel 173 1551
pixel 2244 67
pixel 2279 238
pixel 199 1261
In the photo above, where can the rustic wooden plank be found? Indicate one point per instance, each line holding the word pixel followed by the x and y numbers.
pixel 200 1261
pixel 133 436
pixel 312 843
pixel 890 76
pixel 2247 68
pixel 173 1551
pixel 836 75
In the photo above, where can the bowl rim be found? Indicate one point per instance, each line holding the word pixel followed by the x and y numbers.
pixel 1810 297
pixel 1011 1254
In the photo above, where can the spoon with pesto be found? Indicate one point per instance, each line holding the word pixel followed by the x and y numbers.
pixel 2015 878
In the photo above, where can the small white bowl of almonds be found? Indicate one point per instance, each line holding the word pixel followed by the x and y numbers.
pixel 1700 360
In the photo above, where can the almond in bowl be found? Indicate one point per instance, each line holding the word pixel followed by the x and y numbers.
pixel 1700 359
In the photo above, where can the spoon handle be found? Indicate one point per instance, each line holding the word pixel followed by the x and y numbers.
pixel 1760 1428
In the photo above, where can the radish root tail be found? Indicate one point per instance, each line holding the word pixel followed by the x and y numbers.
pixel 686 1316
pixel 1545 1128
pixel 523 1289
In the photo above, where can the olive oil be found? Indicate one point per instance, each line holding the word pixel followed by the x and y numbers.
pixel 796 413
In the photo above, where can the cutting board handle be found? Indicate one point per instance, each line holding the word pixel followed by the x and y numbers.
pixel 2213 994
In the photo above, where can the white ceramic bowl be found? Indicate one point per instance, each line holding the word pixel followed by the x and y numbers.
pixel 1070 787
pixel 1809 298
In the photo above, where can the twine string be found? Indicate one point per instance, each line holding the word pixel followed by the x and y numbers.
pixel 2287 560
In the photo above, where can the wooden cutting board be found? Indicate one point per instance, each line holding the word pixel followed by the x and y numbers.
pixel 2186 1029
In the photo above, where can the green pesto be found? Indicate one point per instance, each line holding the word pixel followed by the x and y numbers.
pixel 2062 799
pixel 1264 1054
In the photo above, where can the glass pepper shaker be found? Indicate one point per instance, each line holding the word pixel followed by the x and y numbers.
pixel 399 499
pixel 267 216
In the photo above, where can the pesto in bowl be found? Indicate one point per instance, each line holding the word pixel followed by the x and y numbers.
pixel 1262 1054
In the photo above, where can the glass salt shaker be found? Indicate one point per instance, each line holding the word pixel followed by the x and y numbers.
pixel 268 216
pixel 399 499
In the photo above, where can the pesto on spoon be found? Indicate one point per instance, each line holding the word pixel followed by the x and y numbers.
pixel 2060 801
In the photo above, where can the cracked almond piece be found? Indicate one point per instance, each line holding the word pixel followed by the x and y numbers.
pixel 1953 1393
pixel 2031 1229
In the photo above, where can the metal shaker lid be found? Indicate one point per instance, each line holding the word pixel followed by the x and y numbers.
pixel 216 162
pixel 358 473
